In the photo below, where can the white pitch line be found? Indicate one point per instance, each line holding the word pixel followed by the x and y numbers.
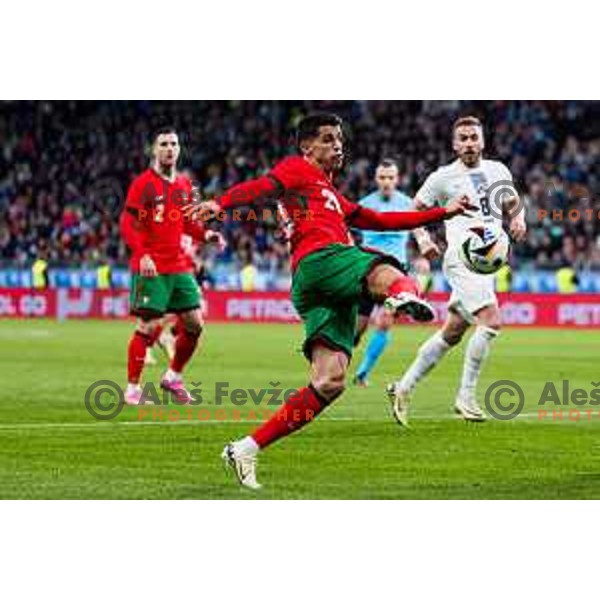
pixel 111 424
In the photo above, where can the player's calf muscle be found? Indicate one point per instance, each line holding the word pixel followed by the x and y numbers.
pixel 454 329
pixel 328 372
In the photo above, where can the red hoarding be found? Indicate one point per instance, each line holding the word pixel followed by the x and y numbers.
pixel 542 310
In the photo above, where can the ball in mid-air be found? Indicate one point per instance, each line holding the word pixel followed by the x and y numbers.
pixel 485 249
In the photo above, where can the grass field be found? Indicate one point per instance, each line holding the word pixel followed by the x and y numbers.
pixel 50 447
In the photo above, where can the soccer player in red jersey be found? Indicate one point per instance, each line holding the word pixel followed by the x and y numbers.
pixel 156 215
pixel 330 274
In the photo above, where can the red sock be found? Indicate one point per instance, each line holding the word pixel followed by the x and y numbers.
pixel 155 334
pixel 185 344
pixel 404 284
pixel 136 352
pixel 296 412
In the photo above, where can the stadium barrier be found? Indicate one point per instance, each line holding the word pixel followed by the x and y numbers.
pixel 534 310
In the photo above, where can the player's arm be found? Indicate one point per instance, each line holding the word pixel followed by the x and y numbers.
pixel 426 198
pixel 516 212
pixel 513 206
pixel 195 224
pixel 286 176
pixel 250 192
pixel 365 218
pixel 133 225
pixel 427 247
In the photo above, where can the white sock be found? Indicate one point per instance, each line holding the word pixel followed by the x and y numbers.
pixel 133 387
pixel 429 354
pixel 247 445
pixel 477 349
pixel 172 375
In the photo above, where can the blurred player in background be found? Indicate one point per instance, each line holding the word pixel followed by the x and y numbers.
pixel 387 198
pixel 473 300
pixel 156 215
pixel 330 274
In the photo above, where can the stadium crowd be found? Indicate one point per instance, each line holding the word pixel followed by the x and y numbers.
pixel 65 167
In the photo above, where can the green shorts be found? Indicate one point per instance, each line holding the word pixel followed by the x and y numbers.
pixel 326 289
pixel 172 293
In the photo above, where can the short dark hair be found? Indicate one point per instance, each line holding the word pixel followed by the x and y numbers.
pixel 469 120
pixel 386 163
pixel 162 130
pixel 308 127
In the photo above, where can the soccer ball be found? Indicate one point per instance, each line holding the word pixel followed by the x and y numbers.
pixel 485 249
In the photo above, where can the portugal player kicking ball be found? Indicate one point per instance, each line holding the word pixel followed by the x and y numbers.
pixel 330 274
pixel 156 215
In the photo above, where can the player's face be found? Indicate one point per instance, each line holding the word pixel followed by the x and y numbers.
pixel 387 180
pixel 166 149
pixel 468 144
pixel 327 148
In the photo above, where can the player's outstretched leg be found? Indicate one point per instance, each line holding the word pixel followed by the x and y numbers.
pixel 428 355
pixel 378 342
pixel 139 343
pixel 185 345
pixel 487 330
pixel 326 384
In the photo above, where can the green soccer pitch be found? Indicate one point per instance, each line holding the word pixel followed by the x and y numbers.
pixel 52 448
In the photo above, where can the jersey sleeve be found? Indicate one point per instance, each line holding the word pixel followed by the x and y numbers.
pixel 504 173
pixel 289 173
pixel 504 185
pixel 349 209
pixel 140 194
pixel 430 193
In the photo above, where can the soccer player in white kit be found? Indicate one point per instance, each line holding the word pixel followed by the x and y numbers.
pixel 488 185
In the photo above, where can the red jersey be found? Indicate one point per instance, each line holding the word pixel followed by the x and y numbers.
pixel 152 222
pixel 318 214
pixel 316 210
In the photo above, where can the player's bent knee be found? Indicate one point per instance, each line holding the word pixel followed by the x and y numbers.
pixel 329 387
pixel 193 328
pixel 147 325
pixel 452 337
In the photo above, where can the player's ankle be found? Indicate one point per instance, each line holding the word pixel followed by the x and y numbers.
pixel 172 375
pixel 247 445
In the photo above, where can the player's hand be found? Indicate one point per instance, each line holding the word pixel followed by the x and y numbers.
pixel 518 230
pixel 147 266
pixel 459 206
pixel 201 210
pixel 430 250
pixel 217 239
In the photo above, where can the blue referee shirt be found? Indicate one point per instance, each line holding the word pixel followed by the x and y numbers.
pixel 394 243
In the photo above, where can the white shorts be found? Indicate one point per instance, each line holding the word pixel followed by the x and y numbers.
pixel 470 291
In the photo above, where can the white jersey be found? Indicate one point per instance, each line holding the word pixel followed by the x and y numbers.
pixel 486 186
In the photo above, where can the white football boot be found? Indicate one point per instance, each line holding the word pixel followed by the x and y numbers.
pixel 399 402
pixel 467 407
pixel 243 464
pixel 412 305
